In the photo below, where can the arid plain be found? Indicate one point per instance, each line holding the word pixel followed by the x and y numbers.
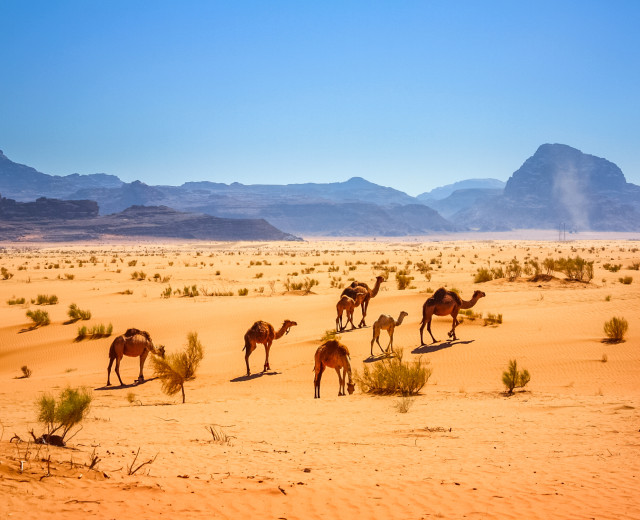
pixel 566 447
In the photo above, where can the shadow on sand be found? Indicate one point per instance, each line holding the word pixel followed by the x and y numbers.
pixel 434 347
pixel 121 387
pixel 253 376
pixel 379 357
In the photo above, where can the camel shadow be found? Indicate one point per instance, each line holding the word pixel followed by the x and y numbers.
pixel 253 376
pixel 379 357
pixel 123 387
pixel 427 349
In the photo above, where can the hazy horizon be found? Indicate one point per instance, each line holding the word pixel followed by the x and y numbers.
pixel 412 96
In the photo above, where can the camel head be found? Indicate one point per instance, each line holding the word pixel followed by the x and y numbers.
pixel 287 325
pixel 350 387
pixel 380 279
pixel 160 351
pixel 478 294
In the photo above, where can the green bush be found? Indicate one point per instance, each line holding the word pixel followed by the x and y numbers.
pixel 391 376
pixel 95 332
pixel 60 416
pixel 626 280
pixel 243 292
pixel 174 370
pixel 75 313
pixel 44 299
pixel 615 329
pixel 167 292
pixel 403 280
pixel 576 268
pixel 512 378
pixel 39 318
pixel 483 275
pixel 493 319
pixel 16 301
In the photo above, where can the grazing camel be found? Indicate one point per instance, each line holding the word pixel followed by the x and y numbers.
pixel 134 343
pixel 348 305
pixel 358 287
pixel 444 303
pixel 263 332
pixel 386 322
pixel 333 354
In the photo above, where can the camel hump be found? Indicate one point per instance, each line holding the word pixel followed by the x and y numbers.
pixel 439 295
pixel 134 332
pixel 334 344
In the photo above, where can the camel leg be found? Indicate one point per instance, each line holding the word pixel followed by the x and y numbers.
pixel 316 383
pixel 248 352
pixel 111 360
pixel 339 323
pixel 267 347
pixel 429 330
pixel 390 345
pixel 452 334
pixel 143 358
pixel 118 358
pixel 341 382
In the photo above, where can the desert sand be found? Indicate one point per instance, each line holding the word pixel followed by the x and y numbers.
pixel 568 446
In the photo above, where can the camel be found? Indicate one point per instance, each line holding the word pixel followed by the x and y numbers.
pixel 263 332
pixel 333 354
pixel 133 343
pixel 444 303
pixel 348 305
pixel 386 322
pixel 358 287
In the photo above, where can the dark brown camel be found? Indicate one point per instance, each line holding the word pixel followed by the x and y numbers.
pixel 358 287
pixel 263 332
pixel 133 343
pixel 445 303
pixel 348 305
pixel 333 354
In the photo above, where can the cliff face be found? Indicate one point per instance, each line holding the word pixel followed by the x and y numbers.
pixel 47 209
pixel 560 185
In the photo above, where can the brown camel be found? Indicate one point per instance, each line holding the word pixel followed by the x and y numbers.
pixel 133 343
pixel 386 322
pixel 263 332
pixel 333 354
pixel 444 303
pixel 357 287
pixel 348 305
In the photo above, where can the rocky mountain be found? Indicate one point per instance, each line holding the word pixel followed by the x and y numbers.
pixel 52 220
pixel 463 199
pixel 560 185
pixel 23 183
pixel 470 184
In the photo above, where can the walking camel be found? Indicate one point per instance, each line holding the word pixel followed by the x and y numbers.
pixel 348 305
pixel 358 287
pixel 263 332
pixel 386 322
pixel 133 343
pixel 445 303
pixel 333 354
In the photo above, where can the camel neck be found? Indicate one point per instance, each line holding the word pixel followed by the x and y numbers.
pixel 468 304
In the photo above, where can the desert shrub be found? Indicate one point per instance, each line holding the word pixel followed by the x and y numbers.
pixel 243 292
pixel 403 280
pixel 615 329
pixel 483 275
pixel 39 318
pixel 493 319
pixel 26 371
pixel 309 283
pixel 138 275
pixel 513 269
pixel 613 268
pixel 469 314
pixel 625 280
pixel 5 274
pixel 513 378
pixel 330 334
pixel 132 263
pixel 393 376
pixel 82 332
pixel 404 403
pixel 95 331
pixel 174 370
pixel 60 415
pixel 75 313
pixel 16 301
pixel 190 291
pixel 635 266
pixel 167 292
pixel 549 265
pixel 44 299
pixel 576 268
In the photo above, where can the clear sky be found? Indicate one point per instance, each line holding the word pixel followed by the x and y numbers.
pixel 408 94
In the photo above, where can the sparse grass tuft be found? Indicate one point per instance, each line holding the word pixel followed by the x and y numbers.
pixel 75 313
pixel 513 378
pixel 393 376
pixel 243 292
pixel 39 318
pixel 404 403
pixel 483 275
pixel 44 299
pixel 615 329
pixel 330 334
pixel 26 372
pixel 16 301
pixel 493 319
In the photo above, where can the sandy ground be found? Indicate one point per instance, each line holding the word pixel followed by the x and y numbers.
pixel 567 447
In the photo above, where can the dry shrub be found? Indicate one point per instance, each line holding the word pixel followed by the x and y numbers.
pixel 615 329
pixel 174 370
pixel 393 376
pixel 513 378
pixel 60 415
pixel 39 318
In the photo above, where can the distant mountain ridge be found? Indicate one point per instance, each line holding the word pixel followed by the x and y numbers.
pixel 470 184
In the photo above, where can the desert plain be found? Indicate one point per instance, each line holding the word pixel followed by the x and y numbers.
pixel 565 446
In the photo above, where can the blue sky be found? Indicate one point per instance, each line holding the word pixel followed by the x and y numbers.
pixel 408 94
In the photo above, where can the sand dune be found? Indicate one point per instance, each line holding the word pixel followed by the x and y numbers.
pixel 568 447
